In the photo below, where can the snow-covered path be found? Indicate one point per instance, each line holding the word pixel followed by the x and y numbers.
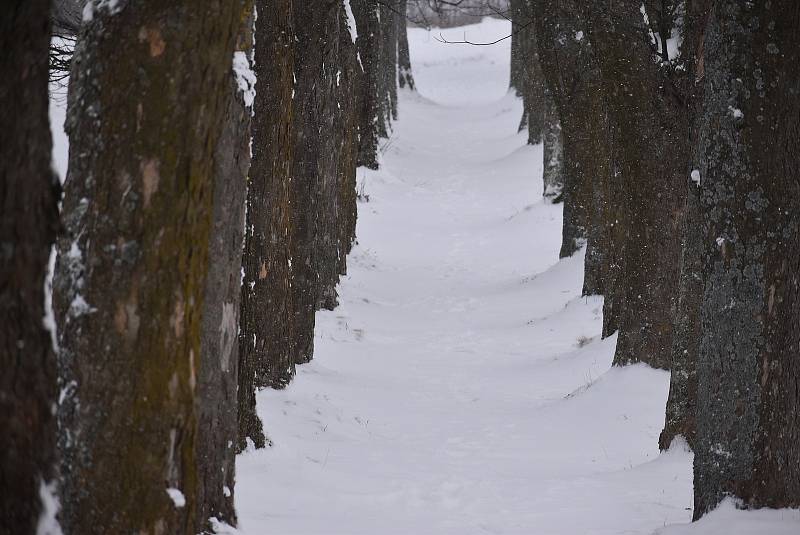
pixel 462 386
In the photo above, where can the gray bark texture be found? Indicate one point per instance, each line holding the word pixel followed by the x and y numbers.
pixel 132 265
pixel 748 364
pixel 29 194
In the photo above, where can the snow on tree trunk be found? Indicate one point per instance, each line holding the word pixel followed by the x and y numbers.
pixel 29 195
pixel 133 263
pixel 748 371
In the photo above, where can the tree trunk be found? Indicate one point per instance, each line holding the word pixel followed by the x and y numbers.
pixel 648 127
pixel 219 363
pixel 266 333
pixel 372 118
pixel 532 78
pixel 568 66
pixel 516 10
pixel 29 195
pixel 682 401
pixel 315 162
pixel 404 75
pixel 348 108
pixel 553 152
pixel 748 370
pixel 133 264
pixel 389 70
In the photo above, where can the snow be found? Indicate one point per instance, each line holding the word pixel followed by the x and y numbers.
pixel 223 528
pixel 736 112
pixel 177 497
pixel 58 115
pixel 462 386
pixel 49 318
pixel 79 306
pixel 727 519
pixel 245 77
pixel 112 6
pixel 48 520
pixel 88 11
pixel 674 40
pixel 351 22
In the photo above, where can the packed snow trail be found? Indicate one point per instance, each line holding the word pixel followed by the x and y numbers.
pixel 462 386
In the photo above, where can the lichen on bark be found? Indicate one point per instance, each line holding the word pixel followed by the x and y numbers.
pixel 748 400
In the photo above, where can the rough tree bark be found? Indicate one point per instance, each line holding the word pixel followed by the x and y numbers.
pixel 516 11
pixel 569 66
pixel 29 193
pixel 532 78
pixel 217 382
pixel 553 152
pixel 337 205
pixel 389 25
pixel 748 370
pixel 648 131
pixel 405 77
pixel 132 267
pixel 265 335
pixel 682 400
pixel 348 110
pixel 372 118
pixel 315 161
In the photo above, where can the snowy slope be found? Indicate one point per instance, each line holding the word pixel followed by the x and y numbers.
pixel 462 386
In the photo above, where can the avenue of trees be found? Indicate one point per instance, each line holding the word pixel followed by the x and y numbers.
pixel 210 204
pixel 673 128
pixel 207 213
